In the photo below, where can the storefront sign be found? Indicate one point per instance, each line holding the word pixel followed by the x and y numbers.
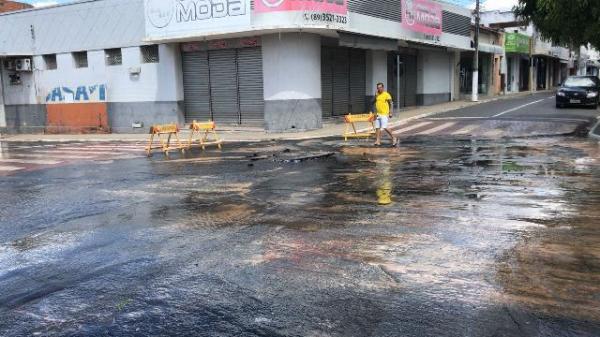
pixel 169 17
pixel 422 16
pixel 516 43
pixel 316 6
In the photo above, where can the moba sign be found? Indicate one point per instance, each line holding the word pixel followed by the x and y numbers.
pixel 422 16
pixel 170 17
pixel 320 6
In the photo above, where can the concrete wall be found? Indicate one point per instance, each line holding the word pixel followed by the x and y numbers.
pixel 84 25
pixel 292 81
pixel 434 76
pixel 376 72
pixel 153 96
pixel 2 111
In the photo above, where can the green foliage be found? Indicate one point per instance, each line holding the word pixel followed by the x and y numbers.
pixel 564 22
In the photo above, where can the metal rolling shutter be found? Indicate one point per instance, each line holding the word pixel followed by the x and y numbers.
pixel 250 78
pixel 327 81
pixel 383 9
pixel 223 80
pixel 456 24
pixel 196 86
pixel 341 87
pixel 357 80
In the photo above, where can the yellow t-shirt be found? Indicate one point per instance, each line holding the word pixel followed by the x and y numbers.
pixel 382 104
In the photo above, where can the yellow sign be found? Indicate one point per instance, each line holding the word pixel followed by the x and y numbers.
pixel 351 126
pixel 206 134
pixel 165 146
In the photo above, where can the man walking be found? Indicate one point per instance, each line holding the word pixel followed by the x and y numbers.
pixel 384 105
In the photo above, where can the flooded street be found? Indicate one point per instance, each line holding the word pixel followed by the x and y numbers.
pixel 442 237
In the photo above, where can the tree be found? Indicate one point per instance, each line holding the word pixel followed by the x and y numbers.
pixel 564 22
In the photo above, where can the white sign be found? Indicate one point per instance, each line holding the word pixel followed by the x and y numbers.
pixel 170 18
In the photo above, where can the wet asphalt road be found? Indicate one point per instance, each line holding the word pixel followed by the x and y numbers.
pixel 446 236
pixel 534 107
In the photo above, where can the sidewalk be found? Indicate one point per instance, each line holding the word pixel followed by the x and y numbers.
pixel 331 128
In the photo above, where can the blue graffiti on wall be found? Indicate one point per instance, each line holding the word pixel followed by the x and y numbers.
pixel 84 93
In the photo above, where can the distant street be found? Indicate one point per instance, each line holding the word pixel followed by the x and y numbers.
pixel 472 227
pixel 531 115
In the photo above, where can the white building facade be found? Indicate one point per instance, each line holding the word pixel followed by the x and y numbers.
pixel 116 65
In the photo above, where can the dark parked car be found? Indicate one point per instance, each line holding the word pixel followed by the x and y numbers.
pixel 579 90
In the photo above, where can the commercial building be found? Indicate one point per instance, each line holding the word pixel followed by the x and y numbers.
pixel 11 6
pixel 114 65
pixel 492 64
pixel 531 63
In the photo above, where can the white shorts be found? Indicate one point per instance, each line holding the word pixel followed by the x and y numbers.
pixel 382 122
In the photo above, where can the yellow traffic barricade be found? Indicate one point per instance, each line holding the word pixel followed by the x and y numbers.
pixel 167 130
pixel 352 130
pixel 203 132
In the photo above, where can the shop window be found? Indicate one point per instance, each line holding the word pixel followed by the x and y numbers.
pixel 81 59
pixel 50 61
pixel 114 57
pixel 149 54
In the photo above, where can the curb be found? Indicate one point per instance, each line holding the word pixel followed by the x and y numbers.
pixel 595 130
pixel 274 136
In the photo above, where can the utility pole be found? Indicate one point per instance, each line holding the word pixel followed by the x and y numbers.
pixel 475 95
pixel 532 86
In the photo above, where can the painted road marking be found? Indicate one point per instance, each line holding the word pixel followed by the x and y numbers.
pixel 493 133
pixel 46 156
pixel 104 150
pixel 10 168
pixel 437 129
pixel 454 118
pixel 108 147
pixel 466 130
pixel 31 161
pixel 413 127
pixel 70 152
pixel 518 108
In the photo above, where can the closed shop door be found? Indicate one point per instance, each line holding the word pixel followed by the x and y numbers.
pixel 223 79
pixel 224 85
pixel 327 82
pixel 341 83
pixel 250 82
pixel 407 82
pixel 410 89
pixel 343 80
pixel 358 80
pixel 196 87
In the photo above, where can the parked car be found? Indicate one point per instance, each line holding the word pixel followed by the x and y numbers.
pixel 579 90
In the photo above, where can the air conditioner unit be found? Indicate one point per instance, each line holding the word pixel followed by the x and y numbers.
pixel 9 64
pixel 23 65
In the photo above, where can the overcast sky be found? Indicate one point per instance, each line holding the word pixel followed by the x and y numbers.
pixel 486 4
pixel 489 5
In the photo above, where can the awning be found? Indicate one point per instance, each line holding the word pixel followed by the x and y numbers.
pixel 367 42
pixel 491 48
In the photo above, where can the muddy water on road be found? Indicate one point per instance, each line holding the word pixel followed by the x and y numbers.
pixel 444 238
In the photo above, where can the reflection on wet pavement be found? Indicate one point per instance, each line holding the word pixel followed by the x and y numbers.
pixel 437 238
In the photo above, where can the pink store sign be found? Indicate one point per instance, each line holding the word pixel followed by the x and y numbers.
pixel 321 6
pixel 422 16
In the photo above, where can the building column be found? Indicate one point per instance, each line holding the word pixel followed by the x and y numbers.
pixel 455 80
pixel 376 72
pixel 292 81
pixel 433 77
pixel 2 110
pixel 516 75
